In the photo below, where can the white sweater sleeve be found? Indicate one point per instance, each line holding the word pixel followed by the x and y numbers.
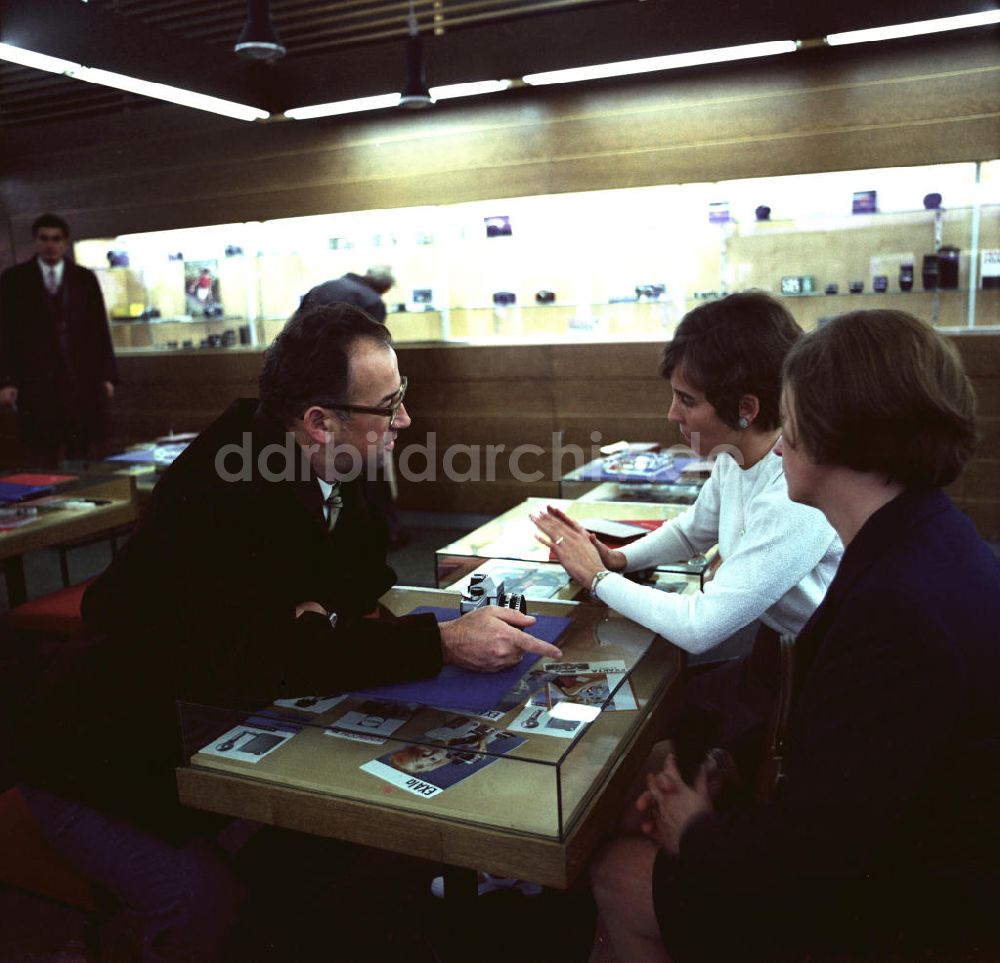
pixel 694 531
pixel 782 544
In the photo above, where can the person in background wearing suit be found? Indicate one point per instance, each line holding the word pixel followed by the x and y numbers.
pixel 57 365
pixel 365 292
pixel 880 839
pixel 253 575
pixel 362 290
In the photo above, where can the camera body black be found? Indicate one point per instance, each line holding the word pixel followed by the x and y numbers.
pixel 484 591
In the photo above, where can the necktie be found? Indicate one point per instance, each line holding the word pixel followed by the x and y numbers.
pixel 50 280
pixel 333 505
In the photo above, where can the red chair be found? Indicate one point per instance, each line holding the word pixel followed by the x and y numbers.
pixel 28 863
pixel 57 613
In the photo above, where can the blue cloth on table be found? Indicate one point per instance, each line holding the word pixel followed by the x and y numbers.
pixel 595 471
pixel 14 492
pixel 462 689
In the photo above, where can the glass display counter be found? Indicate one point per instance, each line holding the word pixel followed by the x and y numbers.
pixel 516 787
pixel 611 265
pixel 673 494
pixel 511 536
pixel 682 476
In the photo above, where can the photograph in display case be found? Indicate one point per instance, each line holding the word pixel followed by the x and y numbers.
pixel 201 287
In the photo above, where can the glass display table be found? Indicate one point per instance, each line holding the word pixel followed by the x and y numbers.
pixel 682 477
pixel 80 507
pixel 527 804
pixel 511 536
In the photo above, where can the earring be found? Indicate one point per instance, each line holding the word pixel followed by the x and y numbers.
pixel 742 423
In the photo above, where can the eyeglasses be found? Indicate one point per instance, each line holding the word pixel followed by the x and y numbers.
pixel 389 411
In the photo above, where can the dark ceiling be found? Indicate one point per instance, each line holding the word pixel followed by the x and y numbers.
pixel 354 48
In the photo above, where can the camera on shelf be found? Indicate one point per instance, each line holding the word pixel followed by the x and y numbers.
pixel 482 590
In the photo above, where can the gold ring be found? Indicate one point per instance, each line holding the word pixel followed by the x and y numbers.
pixel 558 541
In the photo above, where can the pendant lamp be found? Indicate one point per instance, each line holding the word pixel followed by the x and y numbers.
pixel 258 41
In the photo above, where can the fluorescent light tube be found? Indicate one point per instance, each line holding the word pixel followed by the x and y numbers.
pixel 377 102
pixel 107 78
pixel 915 29
pixel 449 91
pixel 28 58
pixel 381 101
pixel 174 95
pixel 669 62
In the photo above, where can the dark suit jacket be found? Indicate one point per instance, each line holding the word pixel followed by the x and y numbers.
pixel 52 375
pixel 886 824
pixel 199 606
pixel 349 289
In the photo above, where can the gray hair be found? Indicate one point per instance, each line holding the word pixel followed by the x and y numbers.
pixel 380 277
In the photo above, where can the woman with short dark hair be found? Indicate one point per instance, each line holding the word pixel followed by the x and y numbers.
pixel 881 835
pixel 724 365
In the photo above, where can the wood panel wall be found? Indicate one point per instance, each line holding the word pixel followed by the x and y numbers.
pixel 931 101
pixel 829 109
pixel 467 398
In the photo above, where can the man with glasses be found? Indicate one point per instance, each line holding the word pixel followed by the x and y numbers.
pixel 251 576
pixel 365 291
pixel 57 365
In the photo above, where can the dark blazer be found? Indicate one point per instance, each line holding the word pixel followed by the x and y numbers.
pixel 54 375
pixel 199 606
pixel 885 827
pixel 349 289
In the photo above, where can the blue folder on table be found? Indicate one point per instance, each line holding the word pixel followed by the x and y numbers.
pixel 462 689
pixel 14 492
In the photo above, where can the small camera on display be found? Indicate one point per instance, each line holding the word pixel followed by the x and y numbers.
pixel 798 284
pixel 930 272
pixel 504 298
pixel 484 591
pixel 652 292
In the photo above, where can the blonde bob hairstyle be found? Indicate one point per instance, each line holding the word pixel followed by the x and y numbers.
pixel 882 392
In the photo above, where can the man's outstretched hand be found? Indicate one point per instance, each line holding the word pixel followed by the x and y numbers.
pixel 490 639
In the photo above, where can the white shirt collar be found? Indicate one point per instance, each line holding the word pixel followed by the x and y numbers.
pixel 58 268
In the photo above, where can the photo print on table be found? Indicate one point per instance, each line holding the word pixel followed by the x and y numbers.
pixel 316 704
pixel 586 683
pixel 452 753
pixel 373 720
pixel 252 739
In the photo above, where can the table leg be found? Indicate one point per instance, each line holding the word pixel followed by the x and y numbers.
pixel 461 896
pixel 17 589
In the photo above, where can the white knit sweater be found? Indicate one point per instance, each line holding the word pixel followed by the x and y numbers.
pixel 778 558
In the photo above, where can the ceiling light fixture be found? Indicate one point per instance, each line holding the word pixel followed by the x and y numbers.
pixel 377 102
pixel 471 89
pixel 915 29
pixel 415 91
pixel 381 101
pixel 258 41
pixel 107 78
pixel 668 62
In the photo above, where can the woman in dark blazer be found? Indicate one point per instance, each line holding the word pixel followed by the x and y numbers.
pixel 882 835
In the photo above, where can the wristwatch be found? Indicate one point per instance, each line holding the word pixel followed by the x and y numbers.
pixel 333 620
pixel 603 573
